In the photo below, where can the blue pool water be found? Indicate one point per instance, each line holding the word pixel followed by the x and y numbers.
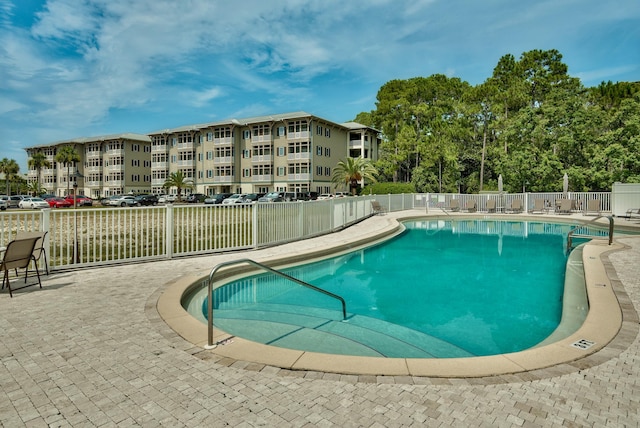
pixel 440 289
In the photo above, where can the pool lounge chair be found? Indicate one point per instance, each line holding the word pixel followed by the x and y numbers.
pixel 491 205
pixel 566 206
pixel 632 213
pixel 538 207
pixel 593 206
pixel 470 206
pixel 377 208
pixel 515 207
pixel 454 205
pixel 18 255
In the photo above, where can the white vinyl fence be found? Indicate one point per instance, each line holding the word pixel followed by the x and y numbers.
pixel 96 236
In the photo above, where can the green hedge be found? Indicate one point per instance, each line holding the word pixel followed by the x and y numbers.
pixel 387 188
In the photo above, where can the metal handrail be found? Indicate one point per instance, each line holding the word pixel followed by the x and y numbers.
pixel 570 234
pixel 210 343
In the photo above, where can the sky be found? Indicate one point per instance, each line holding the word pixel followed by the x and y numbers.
pixel 85 68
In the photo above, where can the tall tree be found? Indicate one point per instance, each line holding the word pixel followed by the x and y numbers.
pixel 38 161
pixel 353 170
pixel 67 156
pixel 179 181
pixel 10 168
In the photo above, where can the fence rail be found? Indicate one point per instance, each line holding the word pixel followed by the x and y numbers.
pixel 96 236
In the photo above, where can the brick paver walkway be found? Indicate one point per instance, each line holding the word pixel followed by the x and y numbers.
pixel 90 350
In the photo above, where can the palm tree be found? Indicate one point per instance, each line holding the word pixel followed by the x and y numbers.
pixel 10 169
pixel 351 171
pixel 38 161
pixel 179 181
pixel 67 156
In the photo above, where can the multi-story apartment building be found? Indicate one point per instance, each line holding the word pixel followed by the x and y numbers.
pixel 284 152
pixel 108 165
pixel 293 152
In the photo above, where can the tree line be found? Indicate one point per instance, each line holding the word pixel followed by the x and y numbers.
pixel 530 122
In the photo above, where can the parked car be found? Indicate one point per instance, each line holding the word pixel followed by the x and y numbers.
pixel 236 198
pixel 48 196
pixel 14 201
pixel 217 198
pixel 341 194
pixel 3 204
pixel 251 198
pixel 146 200
pixel 58 202
pixel 123 201
pixel 81 201
pixel 195 198
pixel 33 203
pixel 167 199
pixel 308 196
pixel 272 197
pixel 325 196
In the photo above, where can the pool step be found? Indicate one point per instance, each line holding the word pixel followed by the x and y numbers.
pixel 322 330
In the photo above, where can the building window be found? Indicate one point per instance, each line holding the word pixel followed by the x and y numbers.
pixel 327 133
pixel 281 151
pixel 209 173
pixel 246 172
pixel 319 151
pixel 281 171
pixel 327 171
pixel 261 130
pixel 327 151
pixel 246 134
pixel 319 130
pixel 319 170
pixel 209 136
pixel 209 155
pixel 281 131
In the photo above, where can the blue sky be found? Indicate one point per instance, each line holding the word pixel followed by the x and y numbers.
pixel 73 68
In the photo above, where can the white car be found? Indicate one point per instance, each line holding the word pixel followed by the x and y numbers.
pixel 123 201
pixel 33 203
pixel 236 198
pixel 166 199
pixel 325 196
pixel 4 204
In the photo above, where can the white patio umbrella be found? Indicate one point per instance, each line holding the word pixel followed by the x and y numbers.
pixel 500 183
pixel 565 184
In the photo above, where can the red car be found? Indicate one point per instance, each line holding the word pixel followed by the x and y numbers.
pixel 80 200
pixel 58 203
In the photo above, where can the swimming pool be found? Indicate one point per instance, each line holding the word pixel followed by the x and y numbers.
pixel 442 289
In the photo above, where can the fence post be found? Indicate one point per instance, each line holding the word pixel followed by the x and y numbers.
pixel 45 226
pixel 254 229
pixel 168 234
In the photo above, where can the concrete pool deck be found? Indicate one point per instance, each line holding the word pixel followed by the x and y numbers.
pixel 91 349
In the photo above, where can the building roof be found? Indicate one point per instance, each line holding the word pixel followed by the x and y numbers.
pixel 83 140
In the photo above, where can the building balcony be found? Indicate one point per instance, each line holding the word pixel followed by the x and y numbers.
pixel 159 149
pixel 223 159
pixel 114 183
pixel 262 158
pixel 260 139
pixel 297 135
pixel 356 144
pixel 185 146
pixel 114 168
pixel 158 181
pixel 298 156
pixel 262 178
pixel 89 169
pixel 298 177
pixel 187 163
pixel 116 152
pixel 160 165
pixel 223 141
pixel 93 183
pixel 223 178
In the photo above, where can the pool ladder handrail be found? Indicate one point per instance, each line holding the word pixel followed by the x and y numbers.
pixel 570 235
pixel 210 344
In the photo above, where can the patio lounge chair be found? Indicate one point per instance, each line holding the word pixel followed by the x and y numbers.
pixel 454 205
pixel 491 205
pixel 38 251
pixel 593 206
pixel 538 207
pixel 470 206
pixel 632 213
pixel 566 205
pixel 377 208
pixel 515 206
pixel 18 255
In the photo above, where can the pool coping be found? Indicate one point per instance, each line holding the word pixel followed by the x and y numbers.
pixel 605 320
